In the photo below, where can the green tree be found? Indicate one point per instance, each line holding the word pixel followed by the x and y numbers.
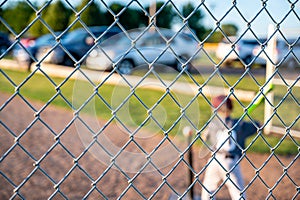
pixel 165 17
pixel 91 16
pixel 229 29
pixel 132 18
pixel 115 8
pixel 128 18
pixel 195 18
pixel 2 27
pixel 37 29
pixel 214 37
pixel 17 15
pixel 57 16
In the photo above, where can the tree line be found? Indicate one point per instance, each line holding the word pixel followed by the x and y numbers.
pixel 58 16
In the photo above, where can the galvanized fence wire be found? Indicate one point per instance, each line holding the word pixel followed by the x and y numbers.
pixel 96 136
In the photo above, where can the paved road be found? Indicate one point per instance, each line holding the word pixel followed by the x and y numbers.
pixel 291 74
pixel 285 72
pixel 202 69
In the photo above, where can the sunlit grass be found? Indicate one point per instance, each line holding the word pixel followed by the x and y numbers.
pixel 139 107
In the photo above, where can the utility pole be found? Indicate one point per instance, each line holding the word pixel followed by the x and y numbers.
pixel 152 11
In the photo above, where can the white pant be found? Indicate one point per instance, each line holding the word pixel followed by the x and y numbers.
pixel 215 173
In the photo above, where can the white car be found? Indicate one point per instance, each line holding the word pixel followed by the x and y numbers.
pixel 229 50
pixel 138 48
pixel 287 53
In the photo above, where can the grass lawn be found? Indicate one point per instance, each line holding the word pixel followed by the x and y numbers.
pixel 155 110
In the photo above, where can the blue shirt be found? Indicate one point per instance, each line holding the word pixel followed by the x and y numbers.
pixel 244 130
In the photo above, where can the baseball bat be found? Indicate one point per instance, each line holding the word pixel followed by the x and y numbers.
pixel 259 97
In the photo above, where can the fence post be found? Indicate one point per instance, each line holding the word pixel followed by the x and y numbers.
pixel 270 68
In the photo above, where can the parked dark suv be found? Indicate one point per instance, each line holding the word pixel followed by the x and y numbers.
pixel 4 42
pixel 77 43
pixel 26 57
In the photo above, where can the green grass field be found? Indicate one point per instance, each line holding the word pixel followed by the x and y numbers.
pixel 154 110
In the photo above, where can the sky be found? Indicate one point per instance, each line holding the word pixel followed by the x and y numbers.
pixel 280 11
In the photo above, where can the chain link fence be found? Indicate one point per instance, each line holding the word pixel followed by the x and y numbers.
pixel 126 116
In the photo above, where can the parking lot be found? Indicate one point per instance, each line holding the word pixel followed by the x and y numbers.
pixel 97 49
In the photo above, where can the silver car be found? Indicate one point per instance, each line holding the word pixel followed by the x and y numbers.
pixel 140 48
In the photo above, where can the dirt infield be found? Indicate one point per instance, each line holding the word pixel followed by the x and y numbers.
pixel 44 158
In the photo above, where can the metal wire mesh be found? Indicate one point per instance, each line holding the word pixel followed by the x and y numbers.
pixel 136 150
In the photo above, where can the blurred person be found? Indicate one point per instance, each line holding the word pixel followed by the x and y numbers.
pixel 226 137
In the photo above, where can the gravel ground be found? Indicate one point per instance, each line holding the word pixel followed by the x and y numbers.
pixel 40 164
